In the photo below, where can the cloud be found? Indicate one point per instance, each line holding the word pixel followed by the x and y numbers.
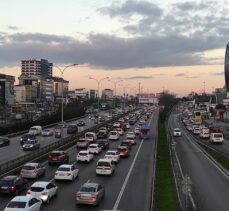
pixel 217 73
pixel 14 28
pixel 193 77
pixel 180 75
pixel 139 77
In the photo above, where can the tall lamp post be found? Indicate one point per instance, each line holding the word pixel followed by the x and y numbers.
pixel 62 94
pixel 115 82
pixel 124 93
pixel 98 83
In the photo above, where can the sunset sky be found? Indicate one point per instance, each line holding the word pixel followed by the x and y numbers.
pixel 174 45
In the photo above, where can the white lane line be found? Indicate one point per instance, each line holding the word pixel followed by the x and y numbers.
pixel 127 179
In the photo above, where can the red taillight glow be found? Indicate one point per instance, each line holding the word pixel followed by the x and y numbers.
pixel 12 188
pixel 50 156
pixel 60 156
pixel 44 193
pixel 69 174
pixel 28 192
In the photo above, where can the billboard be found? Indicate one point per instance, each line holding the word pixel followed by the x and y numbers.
pixel 146 100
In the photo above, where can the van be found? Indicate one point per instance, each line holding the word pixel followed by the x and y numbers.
pixel 35 130
pixel 105 167
pixel 216 138
pixel 91 136
pixel 72 129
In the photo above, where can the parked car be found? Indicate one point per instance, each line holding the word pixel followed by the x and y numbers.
pixel 47 132
pixel 105 167
pixel 104 144
pixel 123 151
pixel 72 129
pixel 84 156
pixel 24 203
pixel 114 135
pixel 35 130
pixel 66 172
pixel 82 143
pixel 59 157
pixel 27 137
pixel 113 155
pixel 32 170
pixel 94 149
pixel 12 184
pixel 4 141
pixel 176 132
pixel 31 145
pixel 216 138
pixel 43 190
pixel 90 193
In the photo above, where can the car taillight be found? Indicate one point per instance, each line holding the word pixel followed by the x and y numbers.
pixel 60 156
pixel 50 156
pixel 93 196
pixel 34 171
pixel 56 174
pixel 28 192
pixel 44 193
pixel 12 188
pixel 69 174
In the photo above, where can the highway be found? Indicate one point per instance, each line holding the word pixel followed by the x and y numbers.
pixel 209 184
pixel 128 189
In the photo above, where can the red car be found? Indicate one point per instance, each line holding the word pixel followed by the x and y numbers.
pixel 123 151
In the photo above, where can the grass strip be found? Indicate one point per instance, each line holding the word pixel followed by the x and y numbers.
pixel 165 196
pixel 220 158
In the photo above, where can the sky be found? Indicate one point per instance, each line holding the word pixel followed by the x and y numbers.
pixel 175 45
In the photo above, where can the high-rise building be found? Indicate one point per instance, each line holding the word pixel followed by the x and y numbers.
pixel 6 89
pixel 226 68
pixel 35 67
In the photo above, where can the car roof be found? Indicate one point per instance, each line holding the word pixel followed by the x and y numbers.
pixel 90 184
pixel 104 160
pixel 10 177
pixel 40 184
pixel 22 198
pixel 111 151
pixel 31 164
pixel 85 151
pixel 93 145
pixel 65 166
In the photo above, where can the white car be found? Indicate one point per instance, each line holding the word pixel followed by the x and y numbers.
pixel 113 155
pixel 131 140
pixel 105 167
pixel 43 190
pixel 66 172
pixel 137 130
pixel 90 136
pixel 24 203
pixel 47 132
pixel 216 138
pixel 176 132
pixel 114 135
pixel 84 155
pixel 116 125
pixel 127 126
pixel 94 149
pixel 120 131
pixel 130 135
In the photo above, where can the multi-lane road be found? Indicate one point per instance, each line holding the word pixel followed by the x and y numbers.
pixel 209 183
pixel 129 189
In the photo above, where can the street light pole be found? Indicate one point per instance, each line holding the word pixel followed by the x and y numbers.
pixel 62 94
pixel 98 83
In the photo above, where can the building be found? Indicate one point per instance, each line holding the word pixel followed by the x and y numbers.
pixel 47 89
pixel 60 84
pixel 34 67
pixel 86 93
pixel 6 89
pixel 107 93
pixel 25 94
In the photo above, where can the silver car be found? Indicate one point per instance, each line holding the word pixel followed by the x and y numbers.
pixel 32 170
pixel 90 193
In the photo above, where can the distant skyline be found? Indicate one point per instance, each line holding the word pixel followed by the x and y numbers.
pixel 173 45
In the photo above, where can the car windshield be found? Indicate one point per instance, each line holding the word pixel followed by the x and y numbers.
pixel 81 140
pixel 101 163
pixel 110 153
pixel 28 167
pixel 30 142
pixel 89 135
pixel 6 182
pixel 16 204
pixel 36 189
pixel 176 130
pixel 83 153
pixel 63 169
pixel 218 136
pixel 55 154
pixel 93 146
pixel 113 133
pixel 88 189
pixel 33 128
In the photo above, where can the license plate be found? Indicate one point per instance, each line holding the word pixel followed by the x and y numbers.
pixel 4 188
pixel 54 159
pixel 61 175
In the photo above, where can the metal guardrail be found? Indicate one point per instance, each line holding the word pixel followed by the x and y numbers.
pixel 15 164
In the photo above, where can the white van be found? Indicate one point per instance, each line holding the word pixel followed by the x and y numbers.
pixel 91 136
pixel 35 130
pixel 105 167
pixel 216 138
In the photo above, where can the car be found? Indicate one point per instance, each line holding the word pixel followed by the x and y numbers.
pixel 82 143
pixel 35 130
pixel 80 123
pixel 104 144
pixel 113 155
pixel 66 172
pixel 58 156
pixel 105 167
pixel 114 135
pixel 176 132
pixel 32 170
pixel 4 141
pixel 24 203
pixel 90 193
pixel 27 137
pixel 102 133
pixel 62 124
pixel 131 141
pixel 84 156
pixel 12 184
pixel 31 145
pixel 120 131
pixel 43 191
pixel 123 151
pixel 91 136
pixel 47 132
pixel 116 125
pixel 127 126
pixel 130 135
pixel 126 143
pixel 137 130
pixel 94 148
pixel 72 129
pixel 216 138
